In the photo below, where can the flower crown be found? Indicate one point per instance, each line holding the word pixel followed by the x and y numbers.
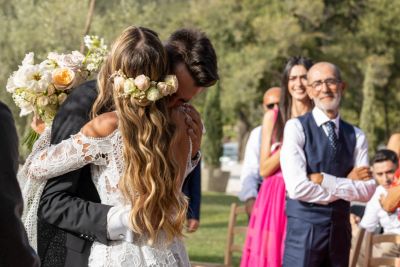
pixel 142 88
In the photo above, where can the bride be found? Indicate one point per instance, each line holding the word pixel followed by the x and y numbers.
pixel 140 154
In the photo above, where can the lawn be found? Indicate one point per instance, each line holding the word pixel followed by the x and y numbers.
pixel 208 243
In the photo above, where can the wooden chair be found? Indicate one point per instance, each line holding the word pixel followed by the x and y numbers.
pixel 355 252
pixel 372 239
pixel 231 246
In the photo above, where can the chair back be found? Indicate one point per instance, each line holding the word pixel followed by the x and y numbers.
pixel 372 239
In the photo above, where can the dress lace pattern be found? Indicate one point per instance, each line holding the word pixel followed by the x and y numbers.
pixel 106 159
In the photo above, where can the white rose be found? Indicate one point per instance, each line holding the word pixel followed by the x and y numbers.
pixel 72 61
pixel 42 101
pixel 153 94
pixel 142 82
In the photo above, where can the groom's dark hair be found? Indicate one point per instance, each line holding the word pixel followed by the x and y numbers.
pixel 193 48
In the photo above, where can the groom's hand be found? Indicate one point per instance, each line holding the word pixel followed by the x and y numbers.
pixel 195 128
pixel 316 178
pixel 360 173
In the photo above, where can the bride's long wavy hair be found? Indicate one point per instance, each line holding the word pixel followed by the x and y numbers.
pixel 151 173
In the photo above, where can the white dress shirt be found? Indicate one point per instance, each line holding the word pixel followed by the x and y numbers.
pixel 374 214
pixel 293 166
pixel 250 173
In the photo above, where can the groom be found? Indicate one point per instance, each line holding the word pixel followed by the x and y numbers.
pixel 70 214
pixel 14 246
pixel 322 147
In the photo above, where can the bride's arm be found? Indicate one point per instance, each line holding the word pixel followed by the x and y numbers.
pixel 182 145
pixel 90 145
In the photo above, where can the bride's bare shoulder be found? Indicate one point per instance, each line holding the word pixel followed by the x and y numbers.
pixel 101 126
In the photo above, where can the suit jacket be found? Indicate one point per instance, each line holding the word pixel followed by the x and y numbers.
pixel 192 189
pixel 70 214
pixel 14 246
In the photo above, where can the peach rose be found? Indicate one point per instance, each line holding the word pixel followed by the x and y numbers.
pixel 63 78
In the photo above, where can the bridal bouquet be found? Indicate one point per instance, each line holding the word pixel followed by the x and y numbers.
pixel 42 88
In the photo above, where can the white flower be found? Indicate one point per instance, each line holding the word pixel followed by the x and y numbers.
pixel 22 100
pixel 129 86
pixel 42 101
pixel 119 82
pixel 11 87
pixel 172 83
pixel 93 42
pixel 163 88
pixel 72 61
pixel 153 94
pixel 142 82
pixel 28 59
pixel 61 98
pixel 32 77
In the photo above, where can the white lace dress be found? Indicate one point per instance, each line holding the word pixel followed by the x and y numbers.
pixel 105 157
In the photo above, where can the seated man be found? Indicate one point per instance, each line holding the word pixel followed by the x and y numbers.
pixel 384 165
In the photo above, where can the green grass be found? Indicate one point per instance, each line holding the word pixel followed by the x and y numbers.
pixel 208 243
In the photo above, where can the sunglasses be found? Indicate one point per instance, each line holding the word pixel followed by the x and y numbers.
pixel 271 105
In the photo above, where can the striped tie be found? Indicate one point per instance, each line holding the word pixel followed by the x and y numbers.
pixel 333 140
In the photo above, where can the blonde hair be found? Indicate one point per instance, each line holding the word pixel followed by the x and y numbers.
pixel 151 173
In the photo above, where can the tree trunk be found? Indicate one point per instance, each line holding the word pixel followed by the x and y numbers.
pixel 243 128
pixel 89 19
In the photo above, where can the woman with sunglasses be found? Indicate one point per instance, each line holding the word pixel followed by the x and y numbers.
pixel 267 227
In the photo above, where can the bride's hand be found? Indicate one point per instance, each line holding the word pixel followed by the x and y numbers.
pixel 38 125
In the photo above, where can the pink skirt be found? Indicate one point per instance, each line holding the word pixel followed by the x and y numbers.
pixel 267 227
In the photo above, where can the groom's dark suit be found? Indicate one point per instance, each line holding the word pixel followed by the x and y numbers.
pixel 70 214
pixel 14 246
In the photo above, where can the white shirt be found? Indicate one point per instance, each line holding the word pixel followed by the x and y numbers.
pixel 374 214
pixel 250 173
pixel 293 166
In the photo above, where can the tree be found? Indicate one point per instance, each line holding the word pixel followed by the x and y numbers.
pixel 212 146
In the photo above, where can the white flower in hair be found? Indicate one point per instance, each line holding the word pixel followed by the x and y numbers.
pixel 172 83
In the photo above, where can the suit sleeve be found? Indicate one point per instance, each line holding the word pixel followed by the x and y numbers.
pixel 192 189
pixel 71 201
pixel 14 246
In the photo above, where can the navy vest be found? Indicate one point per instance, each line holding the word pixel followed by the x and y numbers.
pixel 319 159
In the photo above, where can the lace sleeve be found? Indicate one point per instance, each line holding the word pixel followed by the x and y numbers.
pixel 47 161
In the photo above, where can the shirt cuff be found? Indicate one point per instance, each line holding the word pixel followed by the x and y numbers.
pixel 329 182
pixel 196 159
pixel 117 224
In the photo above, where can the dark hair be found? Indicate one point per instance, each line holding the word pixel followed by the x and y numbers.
pixel 285 102
pixel 384 155
pixel 194 49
